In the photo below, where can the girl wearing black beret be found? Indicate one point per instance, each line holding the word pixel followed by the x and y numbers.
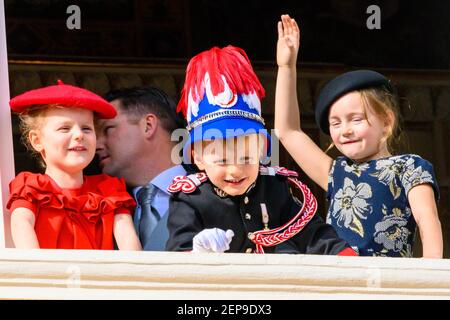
pixel 376 199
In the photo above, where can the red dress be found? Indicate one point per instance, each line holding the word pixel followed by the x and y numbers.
pixel 80 218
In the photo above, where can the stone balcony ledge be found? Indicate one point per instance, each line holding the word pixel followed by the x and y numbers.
pixel 84 274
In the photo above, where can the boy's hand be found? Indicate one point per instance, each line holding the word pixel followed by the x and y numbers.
pixel 212 240
pixel 288 41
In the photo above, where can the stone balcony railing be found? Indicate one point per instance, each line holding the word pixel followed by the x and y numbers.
pixel 80 274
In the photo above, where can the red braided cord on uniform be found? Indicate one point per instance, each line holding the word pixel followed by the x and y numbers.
pixel 273 237
pixel 183 183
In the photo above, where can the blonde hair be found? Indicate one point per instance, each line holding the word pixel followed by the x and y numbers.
pixel 30 120
pixel 385 105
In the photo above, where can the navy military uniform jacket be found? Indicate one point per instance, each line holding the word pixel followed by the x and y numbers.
pixel 207 207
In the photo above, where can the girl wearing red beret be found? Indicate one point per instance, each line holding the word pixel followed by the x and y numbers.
pixel 62 208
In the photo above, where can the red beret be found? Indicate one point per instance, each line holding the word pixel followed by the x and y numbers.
pixel 65 95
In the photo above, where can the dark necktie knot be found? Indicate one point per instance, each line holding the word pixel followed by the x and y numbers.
pixel 146 195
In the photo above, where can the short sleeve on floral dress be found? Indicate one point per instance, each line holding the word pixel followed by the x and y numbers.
pixel 368 202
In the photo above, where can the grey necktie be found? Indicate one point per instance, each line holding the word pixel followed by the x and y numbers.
pixel 149 215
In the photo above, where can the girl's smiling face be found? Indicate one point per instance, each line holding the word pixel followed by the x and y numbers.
pixel 65 138
pixel 357 132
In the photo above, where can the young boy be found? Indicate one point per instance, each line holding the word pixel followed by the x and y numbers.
pixel 233 204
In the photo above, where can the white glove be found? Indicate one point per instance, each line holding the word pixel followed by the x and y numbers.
pixel 212 240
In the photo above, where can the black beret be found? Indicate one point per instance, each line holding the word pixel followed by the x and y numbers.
pixel 345 83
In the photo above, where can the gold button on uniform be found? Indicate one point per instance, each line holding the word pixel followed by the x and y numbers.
pixel 248 216
pixel 250 235
pixel 246 200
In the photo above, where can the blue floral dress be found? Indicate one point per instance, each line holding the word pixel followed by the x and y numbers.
pixel 368 202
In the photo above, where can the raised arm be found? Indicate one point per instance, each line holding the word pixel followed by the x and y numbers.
pixel 311 159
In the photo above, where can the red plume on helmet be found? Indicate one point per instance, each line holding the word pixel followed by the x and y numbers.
pixel 230 62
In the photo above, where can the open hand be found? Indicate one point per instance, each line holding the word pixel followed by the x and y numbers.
pixel 288 41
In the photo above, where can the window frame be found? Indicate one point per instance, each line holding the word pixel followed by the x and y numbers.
pixel 7 171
